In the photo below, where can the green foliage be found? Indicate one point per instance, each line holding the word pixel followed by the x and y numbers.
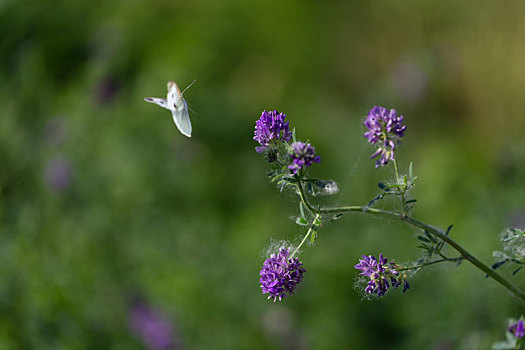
pixel 182 221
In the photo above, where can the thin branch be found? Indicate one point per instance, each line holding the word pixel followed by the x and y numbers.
pixel 435 231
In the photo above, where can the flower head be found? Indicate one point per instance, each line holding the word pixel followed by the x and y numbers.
pixel 386 128
pixel 517 329
pixel 381 275
pixel 303 156
pixel 269 128
pixel 280 275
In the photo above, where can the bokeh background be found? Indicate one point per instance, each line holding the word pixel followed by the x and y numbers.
pixel 117 232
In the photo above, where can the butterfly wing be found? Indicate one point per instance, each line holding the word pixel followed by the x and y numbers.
pixel 182 118
pixel 158 101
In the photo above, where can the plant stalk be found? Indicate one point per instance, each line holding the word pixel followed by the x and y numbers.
pixel 435 231
pixel 310 230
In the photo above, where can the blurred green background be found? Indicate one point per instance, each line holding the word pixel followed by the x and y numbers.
pixel 103 201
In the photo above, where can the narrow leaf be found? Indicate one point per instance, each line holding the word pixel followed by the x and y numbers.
pixel 498 264
pixel 424 239
pixel 430 237
pixel 313 237
pixel 424 246
pixel 301 209
pixel 517 270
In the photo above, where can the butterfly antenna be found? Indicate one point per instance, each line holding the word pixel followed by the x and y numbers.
pixel 183 91
pixel 192 110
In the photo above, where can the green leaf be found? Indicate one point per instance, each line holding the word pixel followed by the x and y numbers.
pixel 410 173
pixel 313 237
pixel 498 264
pixel 517 270
pixel 301 209
pixel 448 230
pixel 336 217
pixel 423 239
pixel 430 236
pixel 301 221
pixel 425 247
pixel 293 135
pixel 290 179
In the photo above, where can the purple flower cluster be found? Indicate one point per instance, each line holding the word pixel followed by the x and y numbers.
pixel 269 128
pixel 517 329
pixel 303 156
pixel 381 275
pixel 386 128
pixel 281 275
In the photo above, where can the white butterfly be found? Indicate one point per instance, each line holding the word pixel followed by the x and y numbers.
pixel 175 103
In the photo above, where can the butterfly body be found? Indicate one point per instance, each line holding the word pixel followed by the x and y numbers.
pixel 176 104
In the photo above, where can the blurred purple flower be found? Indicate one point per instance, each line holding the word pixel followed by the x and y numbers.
pixel 281 275
pixel 517 329
pixel 269 128
pixel 303 156
pixel 386 128
pixel 105 91
pixel 153 327
pixel 57 174
pixel 381 275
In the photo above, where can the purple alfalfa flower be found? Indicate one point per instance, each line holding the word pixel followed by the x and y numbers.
pixel 381 275
pixel 517 329
pixel 303 156
pixel 271 128
pixel 280 275
pixel 152 326
pixel 385 128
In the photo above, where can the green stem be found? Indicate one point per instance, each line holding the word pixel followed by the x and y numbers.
pixel 431 263
pixel 395 168
pixel 300 190
pixel 402 190
pixel 435 231
pixel 310 230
